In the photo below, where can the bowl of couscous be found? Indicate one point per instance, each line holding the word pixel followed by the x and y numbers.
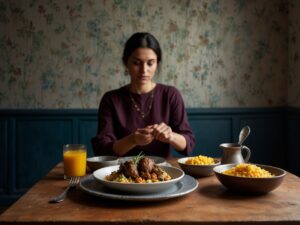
pixel 198 166
pixel 248 177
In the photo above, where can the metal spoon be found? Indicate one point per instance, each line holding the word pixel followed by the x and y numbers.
pixel 244 134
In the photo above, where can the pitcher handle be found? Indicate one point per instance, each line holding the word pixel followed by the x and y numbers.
pixel 248 154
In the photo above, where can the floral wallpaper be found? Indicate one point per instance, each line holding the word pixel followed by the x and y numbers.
pixel 294 54
pixel 219 53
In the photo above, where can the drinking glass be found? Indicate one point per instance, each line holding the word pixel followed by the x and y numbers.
pixel 74 156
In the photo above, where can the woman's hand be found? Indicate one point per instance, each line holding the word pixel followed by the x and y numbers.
pixel 162 132
pixel 143 136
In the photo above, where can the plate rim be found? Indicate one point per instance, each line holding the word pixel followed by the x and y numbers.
pixel 140 197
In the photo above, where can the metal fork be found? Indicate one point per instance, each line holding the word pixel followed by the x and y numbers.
pixel 73 182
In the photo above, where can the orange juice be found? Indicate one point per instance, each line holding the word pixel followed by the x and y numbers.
pixel 75 162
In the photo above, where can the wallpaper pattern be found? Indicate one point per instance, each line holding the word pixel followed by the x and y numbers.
pixel 218 53
pixel 294 54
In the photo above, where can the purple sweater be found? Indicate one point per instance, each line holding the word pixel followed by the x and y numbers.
pixel 118 118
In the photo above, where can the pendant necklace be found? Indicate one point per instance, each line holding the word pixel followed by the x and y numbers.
pixel 138 109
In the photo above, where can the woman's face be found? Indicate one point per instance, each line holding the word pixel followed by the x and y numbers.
pixel 142 65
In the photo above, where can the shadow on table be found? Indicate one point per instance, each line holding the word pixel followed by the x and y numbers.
pixel 83 198
pixel 221 192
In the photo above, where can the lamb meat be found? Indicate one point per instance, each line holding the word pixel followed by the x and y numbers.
pixel 158 171
pixel 146 165
pixel 145 175
pixel 129 169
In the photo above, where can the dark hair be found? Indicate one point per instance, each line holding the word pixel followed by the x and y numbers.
pixel 141 40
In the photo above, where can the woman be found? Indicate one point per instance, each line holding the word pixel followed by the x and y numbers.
pixel 143 115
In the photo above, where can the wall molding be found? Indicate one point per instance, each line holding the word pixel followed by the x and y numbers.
pixel 191 111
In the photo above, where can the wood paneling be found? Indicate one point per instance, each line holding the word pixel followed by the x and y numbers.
pixel 210 132
pixel 3 156
pixel 267 139
pixel 87 130
pixel 293 141
pixel 38 147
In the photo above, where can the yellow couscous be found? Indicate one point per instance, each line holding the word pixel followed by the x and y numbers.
pixel 248 170
pixel 200 160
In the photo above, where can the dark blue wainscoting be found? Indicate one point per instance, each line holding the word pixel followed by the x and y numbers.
pixel 31 140
pixel 293 140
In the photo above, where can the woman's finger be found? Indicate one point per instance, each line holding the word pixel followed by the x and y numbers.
pixel 164 134
pixel 158 129
pixel 145 130
pixel 144 139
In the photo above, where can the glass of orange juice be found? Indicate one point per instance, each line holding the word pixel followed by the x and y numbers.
pixel 74 160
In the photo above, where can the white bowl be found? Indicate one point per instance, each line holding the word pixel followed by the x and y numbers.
pixel 98 162
pixel 138 188
pixel 197 170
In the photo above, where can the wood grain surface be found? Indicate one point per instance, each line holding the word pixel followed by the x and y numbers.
pixel 210 203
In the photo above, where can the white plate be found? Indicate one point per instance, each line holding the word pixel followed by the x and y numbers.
pixel 183 187
pixel 175 173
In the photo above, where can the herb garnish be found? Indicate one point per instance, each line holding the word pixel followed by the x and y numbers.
pixel 137 158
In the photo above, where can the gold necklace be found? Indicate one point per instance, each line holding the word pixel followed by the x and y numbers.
pixel 138 109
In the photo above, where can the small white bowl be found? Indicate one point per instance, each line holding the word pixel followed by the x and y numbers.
pixel 98 162
pixel 197 170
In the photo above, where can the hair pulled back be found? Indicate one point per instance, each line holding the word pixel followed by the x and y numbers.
pixel 141 40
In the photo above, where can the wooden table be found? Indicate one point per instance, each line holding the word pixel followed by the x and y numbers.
pixel 210 203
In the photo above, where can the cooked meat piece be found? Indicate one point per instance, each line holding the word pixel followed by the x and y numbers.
pixel 146 165
pixel 161 174
pixel 129 169
pixel 145 175
pixel 157 170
